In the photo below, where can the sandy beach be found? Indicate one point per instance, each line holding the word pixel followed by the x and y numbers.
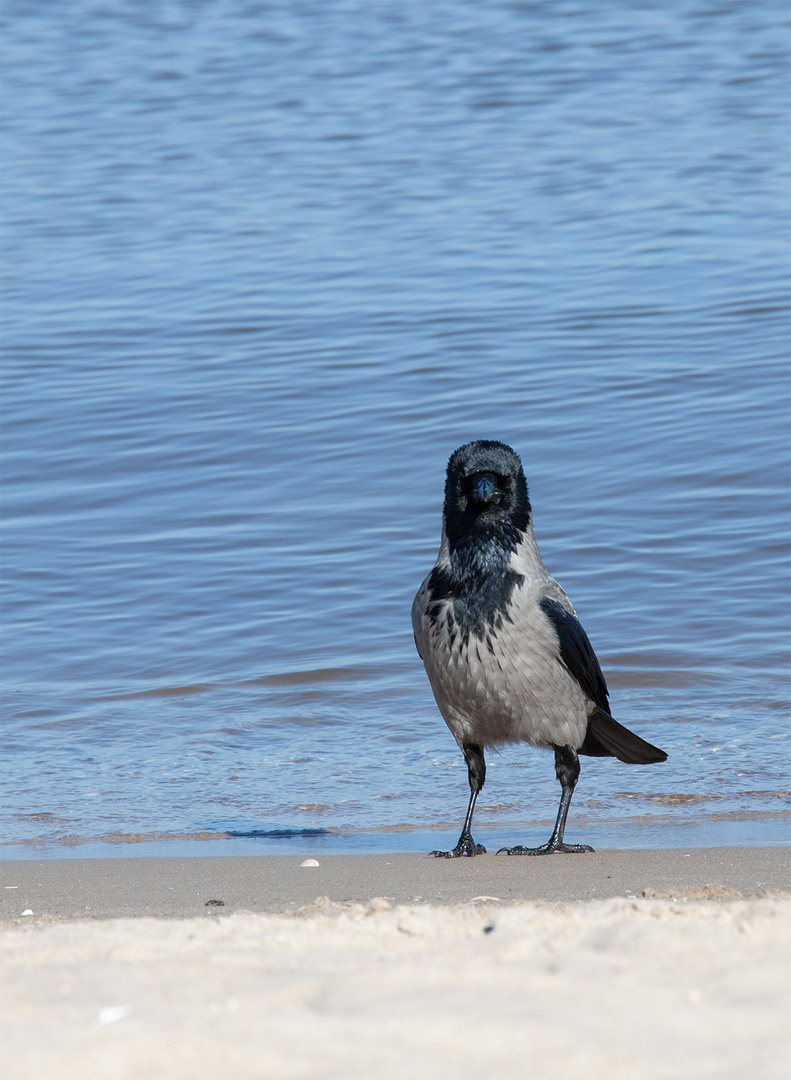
pixel 666 964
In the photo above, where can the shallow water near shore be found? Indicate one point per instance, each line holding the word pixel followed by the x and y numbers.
pixel 264 269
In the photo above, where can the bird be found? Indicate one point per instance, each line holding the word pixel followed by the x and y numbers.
pixel 506 656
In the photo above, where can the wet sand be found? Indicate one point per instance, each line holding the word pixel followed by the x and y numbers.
pixel 110 888
pixel 658 964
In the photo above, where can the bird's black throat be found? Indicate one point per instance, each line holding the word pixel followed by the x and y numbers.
pixel 479 583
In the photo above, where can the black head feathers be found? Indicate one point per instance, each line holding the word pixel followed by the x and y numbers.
pixel 486 496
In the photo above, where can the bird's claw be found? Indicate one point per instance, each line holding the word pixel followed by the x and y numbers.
pixel 546 849
pixel 465 849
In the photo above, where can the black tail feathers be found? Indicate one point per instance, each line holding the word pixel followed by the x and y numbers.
pixel 605 737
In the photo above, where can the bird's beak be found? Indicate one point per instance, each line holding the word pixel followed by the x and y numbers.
pixel 486 489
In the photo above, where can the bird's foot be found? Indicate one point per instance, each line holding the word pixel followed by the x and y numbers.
pixel 465 849
pixel 545 849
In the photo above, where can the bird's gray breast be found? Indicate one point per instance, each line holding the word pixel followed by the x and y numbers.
pixel 492 658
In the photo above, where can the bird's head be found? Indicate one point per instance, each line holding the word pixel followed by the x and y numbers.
pixel 486 498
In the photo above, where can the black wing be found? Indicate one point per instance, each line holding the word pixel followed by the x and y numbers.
pixel 605 737
pixel 576 651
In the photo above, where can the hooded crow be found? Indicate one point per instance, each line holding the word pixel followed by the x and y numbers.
pixel 505 654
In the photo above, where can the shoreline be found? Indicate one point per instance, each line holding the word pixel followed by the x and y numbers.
pixel 181 887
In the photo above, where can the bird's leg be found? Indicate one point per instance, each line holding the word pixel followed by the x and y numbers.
pixel 476 769
pixel 567 770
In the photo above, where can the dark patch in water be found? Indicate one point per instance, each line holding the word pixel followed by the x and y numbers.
pixel 277 834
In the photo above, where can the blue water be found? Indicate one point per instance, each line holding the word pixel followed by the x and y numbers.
pixel 264 267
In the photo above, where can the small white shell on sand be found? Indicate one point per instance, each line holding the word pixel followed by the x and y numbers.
pixel 309 862
pixel 27 911
pixel 110 1014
